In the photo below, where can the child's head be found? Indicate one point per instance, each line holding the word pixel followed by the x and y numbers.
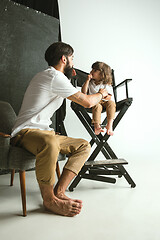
pixel 105 72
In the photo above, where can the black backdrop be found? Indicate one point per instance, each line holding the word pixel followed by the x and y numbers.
pixel 23 29
pixel 49 7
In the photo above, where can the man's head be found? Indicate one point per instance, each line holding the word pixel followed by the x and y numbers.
pixel 60 51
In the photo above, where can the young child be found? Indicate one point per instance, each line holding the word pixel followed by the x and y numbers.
pixel 101 77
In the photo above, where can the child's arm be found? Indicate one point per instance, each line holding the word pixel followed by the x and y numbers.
pixel 85 85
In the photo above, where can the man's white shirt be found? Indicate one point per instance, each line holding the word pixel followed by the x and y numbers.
pixel 44 95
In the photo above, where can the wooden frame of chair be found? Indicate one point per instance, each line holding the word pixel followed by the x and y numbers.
pixel 22 174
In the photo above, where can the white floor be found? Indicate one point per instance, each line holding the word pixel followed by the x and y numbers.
pixel 110 212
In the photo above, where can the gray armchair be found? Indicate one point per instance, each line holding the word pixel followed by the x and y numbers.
pixel 15 158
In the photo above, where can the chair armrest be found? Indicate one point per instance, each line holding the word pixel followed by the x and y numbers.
pixel 125 82
pixel 4 151
pixel 4 139
pixel 5 135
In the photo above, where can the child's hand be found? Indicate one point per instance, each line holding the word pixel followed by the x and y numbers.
pixel 89 77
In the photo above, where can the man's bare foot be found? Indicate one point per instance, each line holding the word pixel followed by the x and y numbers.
pixel 97 129
pixel 109 127
pixel 62 196
pixel 62 207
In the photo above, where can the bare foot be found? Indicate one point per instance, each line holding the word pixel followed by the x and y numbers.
pixel 97 129
pixel 63 207
pixel 109 127
pixel 62 196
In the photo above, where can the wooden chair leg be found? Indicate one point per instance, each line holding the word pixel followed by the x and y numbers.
pixel 23 187
pixel 58 170
pixel 12 176
pixel 23 191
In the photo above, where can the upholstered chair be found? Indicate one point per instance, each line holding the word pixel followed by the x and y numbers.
pixel 15 158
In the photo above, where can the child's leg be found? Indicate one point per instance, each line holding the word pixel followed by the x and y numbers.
pixel 96 118
pixel 110 109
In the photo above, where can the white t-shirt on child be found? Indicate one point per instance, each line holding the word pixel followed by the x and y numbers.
pixel 93 88
pixel 44 95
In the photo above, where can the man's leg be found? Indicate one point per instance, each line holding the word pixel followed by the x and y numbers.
pixel 78 151
pixel 45 146
pixel 110 109
pixel 62 184
pixel 58 206
pixel 96 118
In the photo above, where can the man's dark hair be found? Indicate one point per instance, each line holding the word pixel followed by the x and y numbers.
pixel 55 51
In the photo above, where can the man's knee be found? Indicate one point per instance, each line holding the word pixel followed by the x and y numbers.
pixel 80 145
pixel 79 156
pixel 85 145
pixel 88 146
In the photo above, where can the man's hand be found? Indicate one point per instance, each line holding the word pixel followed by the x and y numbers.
pixel 108 97
pixel 104 92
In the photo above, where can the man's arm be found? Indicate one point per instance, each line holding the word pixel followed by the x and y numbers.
pixel 88 101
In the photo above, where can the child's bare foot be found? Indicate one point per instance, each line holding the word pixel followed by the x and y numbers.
pixel 63 207
pixel 97 129
pixel 109 127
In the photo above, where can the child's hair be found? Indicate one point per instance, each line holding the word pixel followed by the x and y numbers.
pixel 106 72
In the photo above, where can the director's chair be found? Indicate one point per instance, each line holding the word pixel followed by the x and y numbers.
pixel 98 170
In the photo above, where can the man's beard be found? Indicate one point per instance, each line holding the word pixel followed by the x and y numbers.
pixel 68 71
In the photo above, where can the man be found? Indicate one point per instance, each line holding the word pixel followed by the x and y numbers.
pixel 43 97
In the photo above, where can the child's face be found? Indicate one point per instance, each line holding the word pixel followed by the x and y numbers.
pixel 96 75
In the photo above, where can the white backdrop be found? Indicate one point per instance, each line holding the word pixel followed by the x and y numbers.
pixel 126 35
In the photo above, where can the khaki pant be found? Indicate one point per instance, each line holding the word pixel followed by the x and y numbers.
pixel 110 107
pixel 46 145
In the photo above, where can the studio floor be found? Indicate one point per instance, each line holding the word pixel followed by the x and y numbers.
pixel 110 211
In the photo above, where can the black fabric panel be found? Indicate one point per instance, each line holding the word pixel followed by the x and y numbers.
pixel 49 7
pixel 25 35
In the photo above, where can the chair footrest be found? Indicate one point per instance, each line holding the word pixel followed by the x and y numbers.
pixel 106 162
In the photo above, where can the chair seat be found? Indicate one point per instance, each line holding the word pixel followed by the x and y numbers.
pixel 119 105
pixel 21 159
pixel 127 101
